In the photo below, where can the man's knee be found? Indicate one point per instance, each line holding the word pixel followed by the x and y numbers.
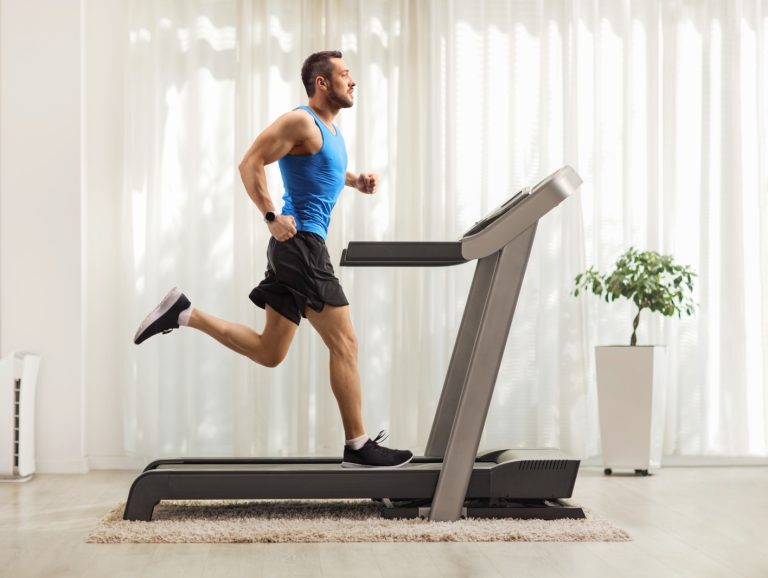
pixel 271 358
pixel 344 343
pixel 272 346
pixel 270 351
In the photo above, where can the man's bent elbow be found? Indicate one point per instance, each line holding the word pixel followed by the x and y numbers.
pixel 250 164
pixel 245 167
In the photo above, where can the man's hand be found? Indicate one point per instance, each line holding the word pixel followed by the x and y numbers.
pixel 367 183
pixel 283 227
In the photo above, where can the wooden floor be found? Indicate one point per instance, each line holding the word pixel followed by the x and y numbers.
pixel 691 522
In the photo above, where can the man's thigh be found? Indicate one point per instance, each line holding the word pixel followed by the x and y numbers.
pixel 334 324
pixel 278 330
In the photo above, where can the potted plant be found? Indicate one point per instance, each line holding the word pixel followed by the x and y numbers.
pixel 630 379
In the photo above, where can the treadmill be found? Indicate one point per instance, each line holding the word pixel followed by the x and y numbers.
pixel 451 480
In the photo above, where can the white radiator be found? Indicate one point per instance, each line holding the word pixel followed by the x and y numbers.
pixel 18 378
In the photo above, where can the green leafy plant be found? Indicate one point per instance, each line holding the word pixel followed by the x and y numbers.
pixel 648 279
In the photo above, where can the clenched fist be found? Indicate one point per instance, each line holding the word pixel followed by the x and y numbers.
pixel 367 182
pixel 283 227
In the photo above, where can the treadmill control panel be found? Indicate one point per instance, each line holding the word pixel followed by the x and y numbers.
pixel 508 205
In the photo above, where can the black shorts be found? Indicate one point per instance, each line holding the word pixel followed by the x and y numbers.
pixel 299 274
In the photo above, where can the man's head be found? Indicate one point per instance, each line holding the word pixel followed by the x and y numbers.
pixel 325 75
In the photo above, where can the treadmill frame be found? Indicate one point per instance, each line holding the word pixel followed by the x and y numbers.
pixel 465 398
pixel 471 377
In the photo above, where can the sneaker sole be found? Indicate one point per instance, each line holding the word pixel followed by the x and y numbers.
pixel 355 465
pixel 170 298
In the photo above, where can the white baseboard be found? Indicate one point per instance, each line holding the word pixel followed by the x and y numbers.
pixel 73 466
pixel 693 461
pixel 117 463
pixel 690 461
pixel 85 465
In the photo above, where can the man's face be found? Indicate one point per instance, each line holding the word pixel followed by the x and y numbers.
pixel 341 88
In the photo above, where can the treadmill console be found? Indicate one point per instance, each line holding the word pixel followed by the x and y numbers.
pixel 498 212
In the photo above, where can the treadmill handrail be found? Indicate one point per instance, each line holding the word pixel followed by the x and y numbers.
pixel 402 254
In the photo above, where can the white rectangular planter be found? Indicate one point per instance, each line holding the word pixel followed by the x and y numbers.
pixel 631 401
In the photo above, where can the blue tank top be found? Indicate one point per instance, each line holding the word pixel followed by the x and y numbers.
pixel 313 182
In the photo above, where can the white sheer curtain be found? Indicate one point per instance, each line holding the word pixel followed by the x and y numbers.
pixel 660 106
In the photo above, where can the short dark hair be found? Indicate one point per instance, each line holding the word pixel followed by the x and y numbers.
pixel 317 64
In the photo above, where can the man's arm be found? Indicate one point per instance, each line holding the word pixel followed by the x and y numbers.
pixel 272 144
pixel 364 182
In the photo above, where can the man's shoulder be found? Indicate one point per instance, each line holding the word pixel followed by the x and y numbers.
pixel 298 117
pixel 298 122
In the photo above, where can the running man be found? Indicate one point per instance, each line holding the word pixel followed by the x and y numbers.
pixel 299 280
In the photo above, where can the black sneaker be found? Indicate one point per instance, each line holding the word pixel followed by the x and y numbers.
pixel 164 318
pixel 372 455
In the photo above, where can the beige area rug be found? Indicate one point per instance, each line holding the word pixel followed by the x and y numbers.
pixel 331 521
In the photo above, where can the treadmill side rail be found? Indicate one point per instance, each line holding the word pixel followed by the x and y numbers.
pixel 402 254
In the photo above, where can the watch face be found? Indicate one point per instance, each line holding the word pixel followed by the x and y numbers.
pixel 269 216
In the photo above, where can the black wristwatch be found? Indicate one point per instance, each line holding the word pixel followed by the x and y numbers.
pixel 269 217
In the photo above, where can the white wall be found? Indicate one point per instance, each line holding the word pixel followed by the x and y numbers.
pixel 40 214
pixel 103 60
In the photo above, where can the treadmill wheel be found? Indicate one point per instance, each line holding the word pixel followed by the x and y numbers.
pixel 607 471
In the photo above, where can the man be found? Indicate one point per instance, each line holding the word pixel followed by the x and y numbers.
pixel 299 281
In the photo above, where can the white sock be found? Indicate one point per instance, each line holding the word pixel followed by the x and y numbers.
pixel 184 316
pixel 357 443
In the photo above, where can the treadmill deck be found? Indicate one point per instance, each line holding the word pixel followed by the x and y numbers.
pixel 518 479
